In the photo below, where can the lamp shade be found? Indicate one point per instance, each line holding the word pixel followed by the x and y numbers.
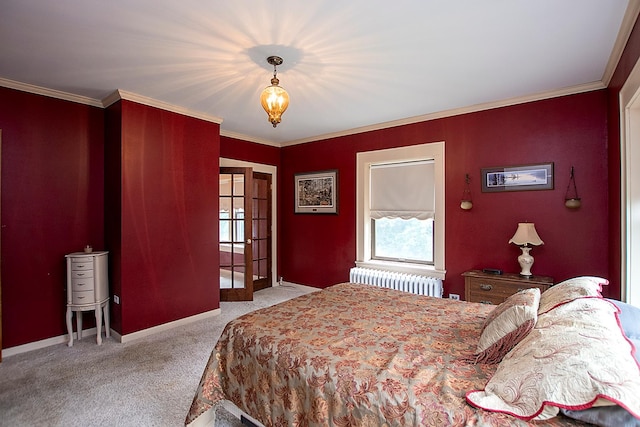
pixel 275 101
pixel 526 235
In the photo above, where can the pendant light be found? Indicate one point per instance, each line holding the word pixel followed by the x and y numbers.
pixel 274 99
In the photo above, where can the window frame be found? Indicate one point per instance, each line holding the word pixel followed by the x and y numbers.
pixel 429 151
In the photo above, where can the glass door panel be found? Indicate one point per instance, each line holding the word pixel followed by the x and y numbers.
pixel 261 232
pixel 235 224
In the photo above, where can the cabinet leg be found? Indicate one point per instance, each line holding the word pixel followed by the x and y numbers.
pixel 79 324
pixel 107 326
pixel 69 327
pixel 98 324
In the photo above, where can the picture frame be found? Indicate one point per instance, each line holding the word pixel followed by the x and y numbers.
pixel 316 192
pixel 517 178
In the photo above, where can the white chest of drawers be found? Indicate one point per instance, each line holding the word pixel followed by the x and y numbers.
pixel 87 289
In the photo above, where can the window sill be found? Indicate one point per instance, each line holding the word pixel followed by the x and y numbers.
pixel 402 267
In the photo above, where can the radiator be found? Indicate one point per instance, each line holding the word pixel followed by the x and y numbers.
pixel 414 283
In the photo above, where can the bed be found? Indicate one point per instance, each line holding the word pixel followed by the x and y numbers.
pixel 356 354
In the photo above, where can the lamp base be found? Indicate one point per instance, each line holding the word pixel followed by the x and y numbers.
pixel 526 261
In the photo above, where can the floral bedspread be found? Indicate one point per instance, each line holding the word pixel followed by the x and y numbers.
pixel 353 355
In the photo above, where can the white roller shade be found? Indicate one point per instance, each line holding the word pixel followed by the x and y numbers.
pixel 403 190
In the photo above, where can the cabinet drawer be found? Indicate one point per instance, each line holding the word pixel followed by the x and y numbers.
pixel 81 258
pixel 83 297
pixel 79 285
pixel 81 274
pixel 81 266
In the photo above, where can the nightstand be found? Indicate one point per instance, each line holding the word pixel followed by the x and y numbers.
pixel 87 289
pixel 495 288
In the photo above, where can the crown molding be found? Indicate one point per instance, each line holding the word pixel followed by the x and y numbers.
pixel 628 21
pixel 107 101
pixel 52 93
pixel 140 99
pixel 130 96
pixel 587 87
pixel 248 138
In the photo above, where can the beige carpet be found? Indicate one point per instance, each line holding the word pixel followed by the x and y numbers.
pixel 147 382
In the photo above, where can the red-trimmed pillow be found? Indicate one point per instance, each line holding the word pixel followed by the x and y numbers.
pixel 576 357
pixel 507 325
pixel 570 289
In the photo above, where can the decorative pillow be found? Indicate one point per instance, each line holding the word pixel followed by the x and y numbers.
pixel 604 416
pixel 507 325
pixel 576 357
pixel 569 290
pixel 629 319
pixel 615 416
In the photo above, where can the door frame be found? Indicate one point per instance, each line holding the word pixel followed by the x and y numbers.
pixel 273 171
pixel 629 99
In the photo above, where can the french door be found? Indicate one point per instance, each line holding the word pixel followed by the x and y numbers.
pixel 261 231
pixel 235 222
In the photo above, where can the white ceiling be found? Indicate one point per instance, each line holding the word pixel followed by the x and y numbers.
pixel 347 64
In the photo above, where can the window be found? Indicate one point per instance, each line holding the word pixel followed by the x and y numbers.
pixel 400 209
pixel 402 240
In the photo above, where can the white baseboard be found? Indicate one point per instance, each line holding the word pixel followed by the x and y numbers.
pixel 296 285
pixel 63 339
pixel 165 326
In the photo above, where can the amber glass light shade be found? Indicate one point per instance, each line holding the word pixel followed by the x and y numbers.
pixel 274 100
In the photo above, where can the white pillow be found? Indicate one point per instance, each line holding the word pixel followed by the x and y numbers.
pixel 577 287
pixel 576 357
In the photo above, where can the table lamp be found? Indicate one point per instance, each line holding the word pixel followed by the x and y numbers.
pixel 526 235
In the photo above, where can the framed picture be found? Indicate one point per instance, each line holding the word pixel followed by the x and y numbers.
pixel 317 192
pixel 517 178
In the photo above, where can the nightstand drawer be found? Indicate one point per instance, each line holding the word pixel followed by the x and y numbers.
pixel 486 298
pixel 494 289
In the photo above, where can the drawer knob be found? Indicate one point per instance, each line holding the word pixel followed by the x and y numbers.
pixel 486 302
pixel 485 287
pixel 80 274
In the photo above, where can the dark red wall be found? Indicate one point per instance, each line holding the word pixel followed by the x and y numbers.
pixel 52 204
pixel 168 251
pixel 568 131
pixel 160 166
pixel 232 148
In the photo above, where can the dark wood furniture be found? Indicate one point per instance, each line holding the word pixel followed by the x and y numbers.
pixel 495 288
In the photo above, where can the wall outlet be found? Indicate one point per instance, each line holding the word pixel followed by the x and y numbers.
pixel 454 296
pixel 116 299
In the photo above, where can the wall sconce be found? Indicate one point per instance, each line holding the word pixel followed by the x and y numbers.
pixel 571 199
pixel 526 235
pixel 466 202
